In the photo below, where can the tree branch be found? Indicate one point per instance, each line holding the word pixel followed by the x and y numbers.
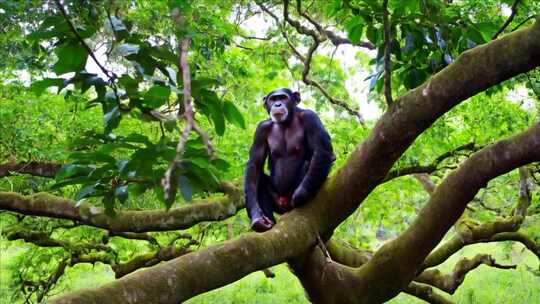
pixel 169 181
pixel 450 282
pixel 82 252
pixel 428 169
pixel 479 234
pixel 43 239
pixel 426 293
pixel 35 168
pixel 398 261
pixel 509 20
pixel 43 204
pixel 426 182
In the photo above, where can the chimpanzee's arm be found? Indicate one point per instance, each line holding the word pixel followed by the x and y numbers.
pixel 254 169
pixel 321 160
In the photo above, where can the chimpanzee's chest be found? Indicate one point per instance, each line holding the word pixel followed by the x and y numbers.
pixel 285 141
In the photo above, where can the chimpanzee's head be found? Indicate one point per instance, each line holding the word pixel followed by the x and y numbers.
pixel 280 104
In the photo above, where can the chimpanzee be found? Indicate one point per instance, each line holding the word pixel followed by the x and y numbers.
pixel 299 154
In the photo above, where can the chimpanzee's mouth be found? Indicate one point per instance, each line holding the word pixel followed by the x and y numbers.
pixel 279 115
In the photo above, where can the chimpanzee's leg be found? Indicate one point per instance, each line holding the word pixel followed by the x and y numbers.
pixel 266 197
pixel 260 210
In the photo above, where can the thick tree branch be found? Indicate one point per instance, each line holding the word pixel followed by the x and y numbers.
pixel 479 234
pixel 43 204
pixel 347 255
pixel 525 195
pixel 35 168
pixel 397 262
pixel 296 232
pixel 533 246
pixel 450 282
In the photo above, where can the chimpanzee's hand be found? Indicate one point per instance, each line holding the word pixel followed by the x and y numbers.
pixel 299 197
pixel 262 224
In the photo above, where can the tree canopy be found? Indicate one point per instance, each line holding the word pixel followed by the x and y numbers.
pixel 126 126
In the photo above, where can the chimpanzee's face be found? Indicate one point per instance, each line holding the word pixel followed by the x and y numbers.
pixel 279 107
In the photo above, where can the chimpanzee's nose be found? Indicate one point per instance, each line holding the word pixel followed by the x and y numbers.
pixel 278 104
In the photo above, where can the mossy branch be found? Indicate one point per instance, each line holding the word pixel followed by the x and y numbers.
pixel 35 168
pixel 426 293
pixel 43 239
pixel 396 264
pixel 478 234
pixel 450 282
pixel 48 205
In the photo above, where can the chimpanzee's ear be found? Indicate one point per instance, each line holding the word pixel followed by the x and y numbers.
pixel 296 97
pixel 264 102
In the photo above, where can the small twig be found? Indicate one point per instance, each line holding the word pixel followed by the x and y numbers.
pixel 508 21
pixel 320 243
pixel 111 75
pixel 81 40
pixel 524 21
pixel 187 115
pixel 434 166
pixel 306 60
pixel 387 67
pixel 206 140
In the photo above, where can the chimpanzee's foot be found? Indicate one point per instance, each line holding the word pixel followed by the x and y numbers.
pixel 262 224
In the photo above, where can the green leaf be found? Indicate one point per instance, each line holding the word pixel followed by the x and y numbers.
pixel 111 119
pixel 72 57
pixel 116 24
pixel 138 138
pixel 39 86
pixel 70 181
pixel 85 192
pixel 93 157
pixel 203 82
pixel 372 34
pixel 170 125
pixel 233 114
pixel 221 164
pixel 486 29
pixel 354 28
pixel 131 85
pixel 218 119
pixel 70 170
pixel 414 78
pixel 121 193
pixel 126 49
pixel 157 96
pixel 185 188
